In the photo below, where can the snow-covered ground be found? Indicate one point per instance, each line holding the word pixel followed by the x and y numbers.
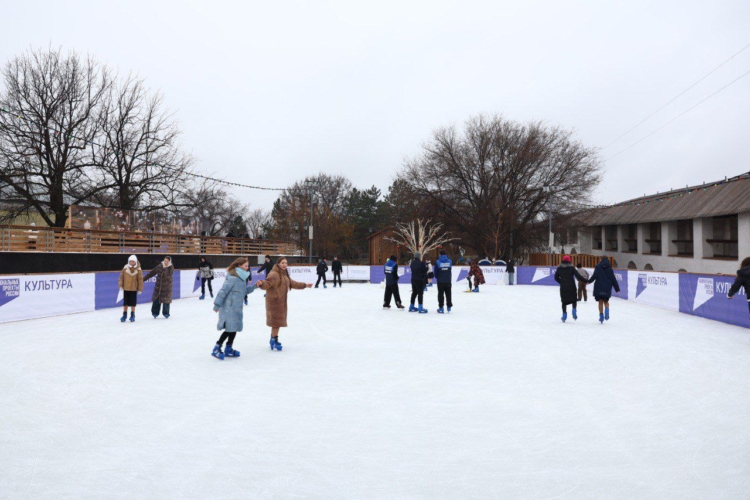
pixel 497 400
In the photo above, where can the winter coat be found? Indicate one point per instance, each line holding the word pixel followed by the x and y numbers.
pixel 566 275
pixel 267 266
pixel 322 267
pixel 476 273
pixel 131 278
pixel 604 280
pixel 742 281
pixel 418 270
pixel 510 266
pixel 230 302
pixel 430 271
pixel 443 267
pixel 391 272
pixel 584 274
pixel 336 266
pixel 206 269
pixel 163 287
pixel 277 286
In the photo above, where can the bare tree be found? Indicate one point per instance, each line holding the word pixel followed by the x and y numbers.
pixel 139 158
pixel 420 236
pixel 258 222
pixel 487 184
pixel 48 122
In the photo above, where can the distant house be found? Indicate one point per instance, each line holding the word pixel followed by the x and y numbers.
pixel 702 228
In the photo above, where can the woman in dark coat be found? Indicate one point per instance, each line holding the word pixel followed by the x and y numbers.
pixel 163 288
pixel 742 281
pixel 604 280
pixel 566 275
pixel 205 274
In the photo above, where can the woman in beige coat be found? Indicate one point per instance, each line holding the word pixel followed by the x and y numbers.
pixel 131 284
pixel 277 285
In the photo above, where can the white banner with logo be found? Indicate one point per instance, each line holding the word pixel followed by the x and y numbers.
pixel 190 285
pixel 43 295
pixel 655 289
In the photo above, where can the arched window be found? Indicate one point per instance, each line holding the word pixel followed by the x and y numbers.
pixel 631 265
pixel 648 267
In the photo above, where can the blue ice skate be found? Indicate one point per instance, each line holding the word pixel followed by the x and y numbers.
pixel 245 299
pixel 575 314
pixel 132 316
pixel 412 309
pixel 606 313
pixel 324 285
pixel 156 316
pixel 422 310
pixel 476 289
pixel 212 294
pixel 449 309
pixel 217 352
pixel 440 310
pixel 275 344
pixel 202 297
pixel 565 317
pixel 124 317
pixel 601 318
pixel 166 316
pixel 229 352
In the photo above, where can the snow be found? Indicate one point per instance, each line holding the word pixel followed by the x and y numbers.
pixel 499 399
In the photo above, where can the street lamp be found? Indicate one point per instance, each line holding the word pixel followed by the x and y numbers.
pixel 311 184
pixel 548 190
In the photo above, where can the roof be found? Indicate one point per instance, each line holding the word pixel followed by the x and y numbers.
pixel 725 197
pixel 385 229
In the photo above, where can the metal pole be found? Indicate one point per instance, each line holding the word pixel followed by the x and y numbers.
pixel 550 237
pixel 310 229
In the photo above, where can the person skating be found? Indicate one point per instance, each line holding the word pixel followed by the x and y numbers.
pixel 267 267
pixel 228 304
pixel 510 270
pixel 322 270
pixel 582 292
pixel 162 296
pixel 131 284
pixel 604 280
pixel 277 285
pixel 430 273
pixel 336 267
pixel 391 283
pixel 566 275
pixel 205 274
pixel 444 275
pixel 418 276
pixel 476 272
pixel 742 281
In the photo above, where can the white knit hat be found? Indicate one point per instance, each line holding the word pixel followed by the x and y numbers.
pixel 133 257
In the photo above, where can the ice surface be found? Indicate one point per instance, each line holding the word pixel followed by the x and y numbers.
pixel 497 400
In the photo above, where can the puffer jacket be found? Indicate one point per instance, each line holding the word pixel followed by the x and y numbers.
pixel 205 270
pixel 163 287
pixel 229 302
pixel 566 275
pixel 742 281
pixel 604 280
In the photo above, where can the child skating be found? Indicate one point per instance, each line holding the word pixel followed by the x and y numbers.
pixel 604 280
pixel 229 303
pixel 476 272
pixel 131 284
pixel 566 274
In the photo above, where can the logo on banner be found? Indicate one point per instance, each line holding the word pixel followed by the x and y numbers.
pixel 10 289
pixel 704 292
pixel 540 273
pixel 197 281
pixel 641 285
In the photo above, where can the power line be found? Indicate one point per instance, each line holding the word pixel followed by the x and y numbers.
pixel 681 114
pixel 677 96
pixel 174 169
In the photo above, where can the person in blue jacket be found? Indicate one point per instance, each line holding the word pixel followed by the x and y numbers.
pixel 391 283
pixel 229 304
pixel 443 273
pixel 418 277
pixel 604 280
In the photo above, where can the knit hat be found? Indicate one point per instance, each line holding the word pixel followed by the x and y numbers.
pixel 392 257
pixel 418 255
pixel 566 258
pixel 133 258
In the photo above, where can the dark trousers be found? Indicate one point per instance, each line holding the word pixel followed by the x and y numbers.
pixel 321 277
pixel 156 308
pixel 228 336
pixel 444 289
pixel 392 291
pixel 511 277
pixel 336 274
pixel 582 293
pixel 203 285
pixel 565 306
pixel 417 291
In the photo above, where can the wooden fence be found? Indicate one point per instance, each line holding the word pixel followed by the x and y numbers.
pixel 542 259
pixel 54 239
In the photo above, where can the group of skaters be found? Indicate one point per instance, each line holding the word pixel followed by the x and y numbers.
pixel 322 269
pixel 422 275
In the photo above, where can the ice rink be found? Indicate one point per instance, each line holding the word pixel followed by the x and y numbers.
pixel 499 399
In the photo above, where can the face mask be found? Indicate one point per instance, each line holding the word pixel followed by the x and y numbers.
pixel 242 273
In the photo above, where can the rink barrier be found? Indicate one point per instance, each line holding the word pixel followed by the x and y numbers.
pixel 46 295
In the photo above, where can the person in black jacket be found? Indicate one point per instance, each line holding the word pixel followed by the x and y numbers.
pixel 336 267
pixel 418 276
pixel 742 281
pixel 566 275
pixel 267 267
pixel 391 283
pixel 604 280
pixel 322 270
pixel 205 274
pixel 510 270
pixel 443 267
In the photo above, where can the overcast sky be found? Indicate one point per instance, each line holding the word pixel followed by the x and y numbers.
pixel 268 92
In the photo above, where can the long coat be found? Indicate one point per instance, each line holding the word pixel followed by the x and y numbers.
pixel 476 272
pixel 229 302
pixel 163 287
pixel 566 275
pixel 131 278
pixel 277 286
pixel 604 280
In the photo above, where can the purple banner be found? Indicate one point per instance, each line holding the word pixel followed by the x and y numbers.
pixel 531 275
pixel 377 274
pixel 108 293
pixel 622 281
pixel 706 296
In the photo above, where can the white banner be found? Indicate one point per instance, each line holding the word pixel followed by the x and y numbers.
pixel 43 295
pixel 356 273
pixel 191 287
pixel 656 289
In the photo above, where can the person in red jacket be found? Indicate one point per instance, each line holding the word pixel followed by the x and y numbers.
pixel 476 272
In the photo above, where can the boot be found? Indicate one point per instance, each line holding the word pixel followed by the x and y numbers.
pixel 606 313
pixel 399 305
pixel 412 308
pixel 217 352
pixel 564 317
pixel 476 289
pixel 422 310
pixel 132 316
pixel 275 344
pixel 601 318
pixel 575 314
pixel 228 351
pixel 124 317
pixel 203 296
pixel 386 306
pixel 440 310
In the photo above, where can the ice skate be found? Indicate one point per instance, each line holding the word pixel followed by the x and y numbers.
pixel 124 317
pixel 440 310
pixel 412 308
pixel 202 297
pixel 564 317
pixel 386 306
pixel 601 318
pixel 228 351
pixel 400 305
pixel 132 316
pixel 575 314
pixel 606 313
pixel 275 344
pixel 217 352
pixel 422 310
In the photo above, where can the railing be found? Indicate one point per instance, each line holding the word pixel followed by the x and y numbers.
pixel 54 239
pixel 542 259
